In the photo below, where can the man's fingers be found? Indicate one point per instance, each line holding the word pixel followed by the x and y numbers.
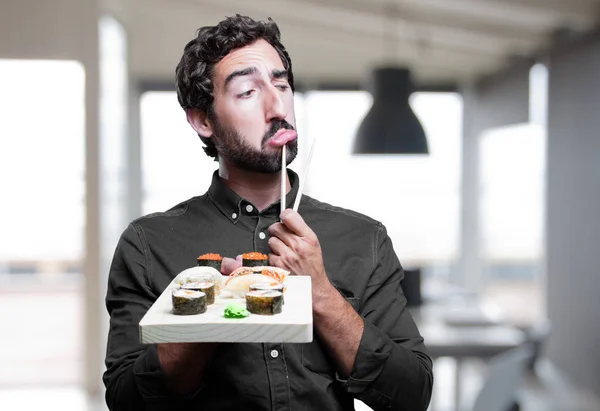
pixel 295 223
pixel 280 231
pixel 277 246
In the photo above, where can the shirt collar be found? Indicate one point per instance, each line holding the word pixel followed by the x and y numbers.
pixel 230 203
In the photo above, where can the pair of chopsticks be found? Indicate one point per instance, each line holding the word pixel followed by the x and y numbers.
pixel 302 180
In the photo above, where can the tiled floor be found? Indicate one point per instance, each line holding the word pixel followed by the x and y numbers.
pixel 41 360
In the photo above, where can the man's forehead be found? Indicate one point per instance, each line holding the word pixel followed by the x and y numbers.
pixel 259 54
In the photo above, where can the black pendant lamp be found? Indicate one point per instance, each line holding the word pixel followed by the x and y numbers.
pixel 391 126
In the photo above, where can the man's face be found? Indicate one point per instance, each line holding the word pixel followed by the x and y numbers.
pixel 253 101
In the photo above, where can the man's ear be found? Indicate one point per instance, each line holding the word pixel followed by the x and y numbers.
pixel 200 122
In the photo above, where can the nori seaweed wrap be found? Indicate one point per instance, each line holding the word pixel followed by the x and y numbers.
pixel 210 260
pixel 254 259
pixel 188 302
pixel 269 286
pixel 264 302
pixel 206 287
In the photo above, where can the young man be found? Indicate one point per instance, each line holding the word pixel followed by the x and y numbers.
pixel 235 83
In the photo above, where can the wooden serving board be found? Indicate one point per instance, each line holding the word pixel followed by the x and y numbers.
pixel 293 324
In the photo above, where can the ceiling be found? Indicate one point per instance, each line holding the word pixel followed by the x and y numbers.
pixel 338 41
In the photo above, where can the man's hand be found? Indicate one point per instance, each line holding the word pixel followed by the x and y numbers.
pixel 295 247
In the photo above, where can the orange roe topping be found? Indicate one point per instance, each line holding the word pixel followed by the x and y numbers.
pixel 272 273
pixel 255 256
pixel 210 257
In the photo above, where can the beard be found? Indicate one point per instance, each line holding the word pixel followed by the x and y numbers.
pixel 231 144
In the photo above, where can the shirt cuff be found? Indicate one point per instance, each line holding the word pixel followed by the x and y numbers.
pixel 371 357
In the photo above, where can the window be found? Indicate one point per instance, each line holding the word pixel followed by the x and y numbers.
pixel 42 220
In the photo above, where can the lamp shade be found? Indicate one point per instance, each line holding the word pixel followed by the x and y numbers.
pixel 391 126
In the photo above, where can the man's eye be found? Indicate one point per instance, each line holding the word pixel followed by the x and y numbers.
pixel 282 87
pixel 245 94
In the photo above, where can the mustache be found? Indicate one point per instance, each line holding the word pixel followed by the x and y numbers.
pixel 275 127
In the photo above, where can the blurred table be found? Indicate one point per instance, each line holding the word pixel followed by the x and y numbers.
pixel 458 325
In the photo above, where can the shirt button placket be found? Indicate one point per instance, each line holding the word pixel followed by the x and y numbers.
pixel 260 235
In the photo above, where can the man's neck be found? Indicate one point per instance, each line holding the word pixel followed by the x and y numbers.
pixel 261 189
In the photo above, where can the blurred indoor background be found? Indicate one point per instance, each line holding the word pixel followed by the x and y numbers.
pixel 496 223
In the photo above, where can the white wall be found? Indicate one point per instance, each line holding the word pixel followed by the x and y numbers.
pixel 573 206
pixel 51 29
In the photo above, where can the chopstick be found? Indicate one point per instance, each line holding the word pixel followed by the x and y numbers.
pixel 283 178
pixel 304 176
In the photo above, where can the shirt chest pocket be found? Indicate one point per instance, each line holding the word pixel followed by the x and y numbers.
pixel 315 356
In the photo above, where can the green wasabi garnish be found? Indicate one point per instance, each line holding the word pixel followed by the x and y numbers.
pixel 235 311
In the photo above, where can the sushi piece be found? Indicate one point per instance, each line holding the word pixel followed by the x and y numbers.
pixel 277 273
pixel 188 302
pixel 269 286
pixel 264 302
pixel 239 285
pixel 206 287
pixel 210 260
pixel 254 259
pixel 200 274
pixel 240 280
pixel 242 271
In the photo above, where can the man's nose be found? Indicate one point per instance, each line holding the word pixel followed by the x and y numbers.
pixel 275 108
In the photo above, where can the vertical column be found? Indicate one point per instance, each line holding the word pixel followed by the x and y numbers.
pixel 105 59
pixel 572 220
pixel 134 157
pixel 92 301
pixel 468 272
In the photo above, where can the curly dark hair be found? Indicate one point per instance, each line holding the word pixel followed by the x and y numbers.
pixel 194 73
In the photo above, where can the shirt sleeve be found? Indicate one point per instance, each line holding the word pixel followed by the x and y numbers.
pixel 392 369
pixel 134 378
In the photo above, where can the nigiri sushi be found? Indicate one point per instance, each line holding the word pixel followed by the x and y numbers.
pixel 277 273
pixel 200 274
pixel 239 285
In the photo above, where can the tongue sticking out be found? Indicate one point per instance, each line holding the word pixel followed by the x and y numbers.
pixel 283 137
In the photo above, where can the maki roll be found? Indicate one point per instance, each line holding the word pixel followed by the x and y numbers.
pixel 210 260
pixel 264 302
pixel 206 287
pixel 269 286
pixel 188 302
pixel 254 259
pixel 200 275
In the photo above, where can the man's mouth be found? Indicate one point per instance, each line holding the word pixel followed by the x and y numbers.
pixel 282 137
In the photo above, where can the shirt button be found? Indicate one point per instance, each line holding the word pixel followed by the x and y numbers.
pixel 274 354
pixel 261 235
pixel 249 208
pixel 234 216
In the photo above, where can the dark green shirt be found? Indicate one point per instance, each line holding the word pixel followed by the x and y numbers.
pixel 391 370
